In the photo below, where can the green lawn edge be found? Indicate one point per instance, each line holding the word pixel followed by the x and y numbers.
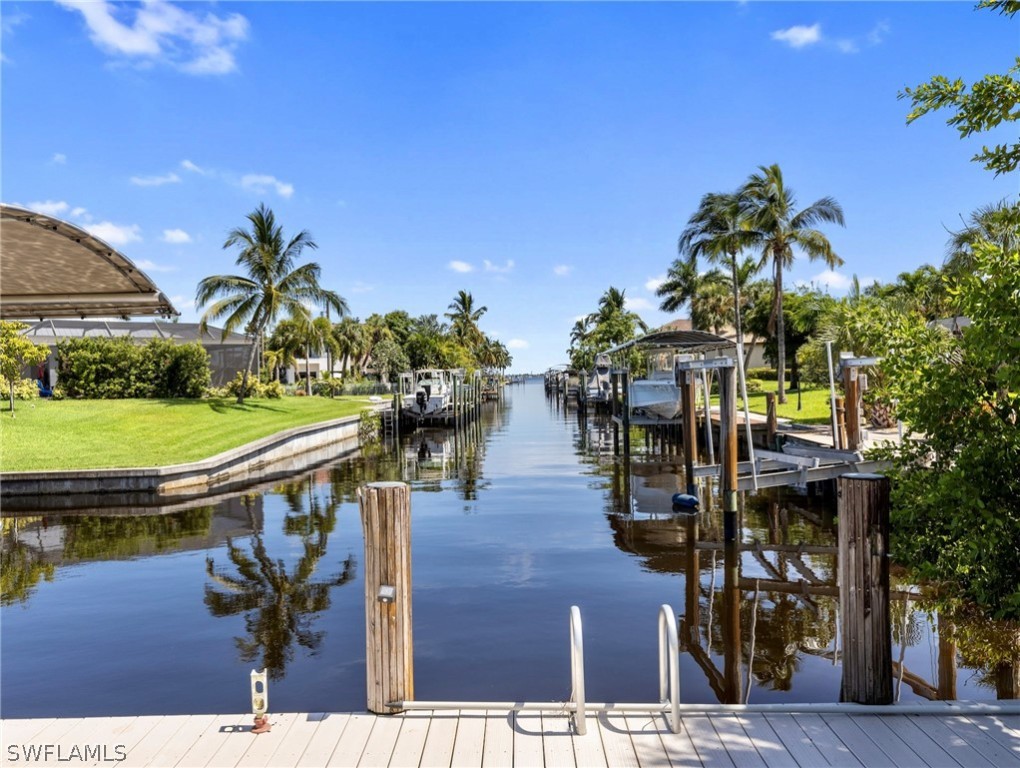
pixel 101 434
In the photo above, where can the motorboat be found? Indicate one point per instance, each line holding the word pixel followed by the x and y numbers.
pixel 658 394
pixel 430 395
pixel 598 384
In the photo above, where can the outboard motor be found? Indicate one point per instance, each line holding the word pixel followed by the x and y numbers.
pixel 422 399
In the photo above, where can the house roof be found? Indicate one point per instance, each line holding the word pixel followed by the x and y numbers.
pixel 51 268
pixel 687 341
pixel 57 329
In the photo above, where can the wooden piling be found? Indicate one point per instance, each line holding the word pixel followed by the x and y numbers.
pixel 771 421
pixel 863 507
pixel 613 409
pixel 841 422
pixel 852 395
pixel 386 522
pixel 625 386
pixel 728 450
pixel 689 427
pixel 731 636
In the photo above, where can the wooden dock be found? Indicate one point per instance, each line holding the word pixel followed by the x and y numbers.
pixel 943 737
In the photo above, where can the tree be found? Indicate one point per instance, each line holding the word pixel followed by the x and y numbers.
pixel 464 319
pixel 316 336
pixel 770 210
pixel 718 231
pixel 273 284
pixel 991 101
pixel 390 359
pixel 350 341
pixel 17 353
pixel 956 489
pixel 998 223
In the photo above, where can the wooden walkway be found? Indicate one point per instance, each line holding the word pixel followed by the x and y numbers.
pixel 507 738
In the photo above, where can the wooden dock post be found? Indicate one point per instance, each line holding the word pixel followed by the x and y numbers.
pixel 863 508
pixel 728 449
pixel 613 409
pixel 852 398
pixel 732 598
pixel 386 522
pixel 625 386
pixel 841 423
pixel 771 421
pixel 689 427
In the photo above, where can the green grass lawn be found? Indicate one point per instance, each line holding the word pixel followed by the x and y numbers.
pixel 91 434
pixel 814 406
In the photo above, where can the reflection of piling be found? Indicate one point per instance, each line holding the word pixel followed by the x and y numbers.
pixel 731 627
pixel 690 434
pixel 614 410
pixel 386 521
pixel 625 386
pixel 863 508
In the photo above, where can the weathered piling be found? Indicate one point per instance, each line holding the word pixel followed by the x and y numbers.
pixel 728 449
pixel 771 421
pixel 625 387
pixel 386 522
pixel 852 395
pixel 863 507
pixel 689 427
pixel 614 407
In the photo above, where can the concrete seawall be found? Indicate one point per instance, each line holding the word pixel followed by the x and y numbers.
pixel 275 456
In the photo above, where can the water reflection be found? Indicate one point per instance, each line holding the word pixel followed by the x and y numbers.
pixel 279 604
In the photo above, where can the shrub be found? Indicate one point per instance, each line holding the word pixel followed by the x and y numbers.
pixel 24 389
pixel 255 387
pixel 273 390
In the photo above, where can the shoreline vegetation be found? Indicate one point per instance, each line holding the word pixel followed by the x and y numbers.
pixel 100 434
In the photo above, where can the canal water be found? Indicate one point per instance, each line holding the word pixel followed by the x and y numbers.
pixel 523 515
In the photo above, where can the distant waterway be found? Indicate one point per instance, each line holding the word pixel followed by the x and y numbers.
pixel 524 514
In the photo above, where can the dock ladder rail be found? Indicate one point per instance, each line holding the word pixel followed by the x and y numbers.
pixel 669 682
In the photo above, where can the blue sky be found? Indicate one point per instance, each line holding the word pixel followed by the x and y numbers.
pixel 533 154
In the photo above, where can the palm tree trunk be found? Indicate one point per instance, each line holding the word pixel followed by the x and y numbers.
pixel 780 333
pixel 247 368
pixel 736 298
pixel 308 376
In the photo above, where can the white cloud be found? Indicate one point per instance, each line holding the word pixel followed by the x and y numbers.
pixel 490 267
pixel 79 212
pixel 59 158
pixel 847 46
pixel 653 284
pixel 190 166
pixel 49 207
pixel 562 270
pixel 799 36
pixel 262 183
pixel 176 236
pixel 832 280
pixel 878 33
pixel 517 344
pixel 162 32
pixel 151 266
pixel 636 303
pixel 115 234
pixel 156 181
pixel 460 266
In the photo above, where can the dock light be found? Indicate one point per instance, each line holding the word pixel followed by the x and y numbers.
pixel 260 701
pixel 387 594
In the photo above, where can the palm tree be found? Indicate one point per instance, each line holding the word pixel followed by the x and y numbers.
pixel 769 207
pixel 317 337
pixel 998 223
pixel 272 285
pixel 717 231
pixel 375 330
pixel 700 292
pixel 350 341
pixel 464 319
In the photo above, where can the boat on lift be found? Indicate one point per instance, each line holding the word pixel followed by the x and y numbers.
pixel 599 384
pixel 658 394
pixel 429 396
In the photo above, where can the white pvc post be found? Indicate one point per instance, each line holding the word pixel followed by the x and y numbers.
pixel 832 396
pixel 747 413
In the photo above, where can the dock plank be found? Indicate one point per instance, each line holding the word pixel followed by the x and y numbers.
pixel 143 751
pixel 323 741
pixel 616 741
pixel 795 740
pixel 18 732
pixel 996 753
pixel 528 738
pixel 915 737
pixel 646 736
pixel 353 740
pixel 588 749
pixel 264 745
pixel 946 738
pixel 706 741
pixel 298 737
pixel 411 740
pixel 557 743
pixel 498 749
pixel 382 739
pixel 470 739
pixel 680 750
pixel 858 742
pixel 739 745
pixel 209 741
pixel 885 738
pixel 439 742
pixel 175 747
pixel 827 742
pixel 771 748
pixel 236 739
pixel 999 728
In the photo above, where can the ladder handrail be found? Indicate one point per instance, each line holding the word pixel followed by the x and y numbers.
pixel 577 669
pixel 669 659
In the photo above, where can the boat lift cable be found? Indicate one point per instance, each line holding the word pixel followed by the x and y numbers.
pixel 747 414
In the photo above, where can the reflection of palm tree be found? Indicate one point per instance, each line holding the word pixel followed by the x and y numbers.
pixel 278 605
